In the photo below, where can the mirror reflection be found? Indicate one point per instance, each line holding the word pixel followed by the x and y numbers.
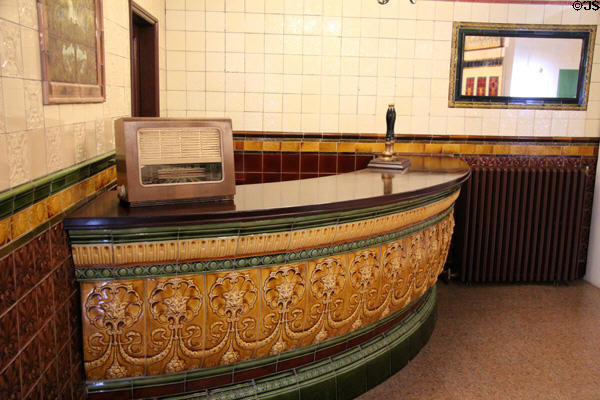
pixel 521 66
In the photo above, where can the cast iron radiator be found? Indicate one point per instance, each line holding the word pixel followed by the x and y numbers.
pixel 525 220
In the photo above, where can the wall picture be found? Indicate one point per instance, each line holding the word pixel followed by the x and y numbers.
pixel 72 51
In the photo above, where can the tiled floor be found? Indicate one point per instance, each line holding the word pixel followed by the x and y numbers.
pixel 506 342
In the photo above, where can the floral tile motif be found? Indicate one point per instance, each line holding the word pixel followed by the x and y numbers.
pixel 30 365
pixel 175 324
pixel 9 344
pixel 153 326
pixel 8 288
pixel 113 323
pixel 8 377
pixel 28 318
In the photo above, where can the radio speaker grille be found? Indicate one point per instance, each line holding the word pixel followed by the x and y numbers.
pixel 179 146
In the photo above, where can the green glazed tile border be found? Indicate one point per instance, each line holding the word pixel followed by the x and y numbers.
pixel 328 371
pixel 23 196
pixel 285 381
pixel 217 265
pixel 117 236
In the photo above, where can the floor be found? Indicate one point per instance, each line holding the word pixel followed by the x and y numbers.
pixel 506 342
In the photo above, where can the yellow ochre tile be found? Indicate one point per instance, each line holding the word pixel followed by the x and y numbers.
pixel 467 149
pixel 433 148
pixel 483 148
pixel 39 214
pixel 271 146
pixel 451 148
pixel 252 145
pixel 364 147
pixel 328 146
pixel 290 146
pixel 310 146
pixel 5 234
pixel 346 147
pixel 500 149
pixel 21 223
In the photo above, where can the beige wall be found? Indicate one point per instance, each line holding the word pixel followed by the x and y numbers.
pixel 331 66
pixel 35 139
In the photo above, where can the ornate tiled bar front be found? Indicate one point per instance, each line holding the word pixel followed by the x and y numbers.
pixel 316 288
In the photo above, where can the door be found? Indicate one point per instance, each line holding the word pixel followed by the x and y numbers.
pixel 144 63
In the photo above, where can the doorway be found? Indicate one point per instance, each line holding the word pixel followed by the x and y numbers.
pixel 144 63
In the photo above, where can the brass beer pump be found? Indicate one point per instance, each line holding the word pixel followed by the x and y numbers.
pixel 389 160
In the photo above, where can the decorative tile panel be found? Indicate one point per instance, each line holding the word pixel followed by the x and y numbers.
pixel 53 148
pixel 18 158
pixel 276 244
pixel 33 104
pixel 28 13
pixel 221 318
pixel 11 59
pixel 79 133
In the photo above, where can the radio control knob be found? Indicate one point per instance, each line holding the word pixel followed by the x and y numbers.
pixel 121 192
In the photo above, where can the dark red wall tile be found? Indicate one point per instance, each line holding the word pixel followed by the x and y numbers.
pixel 238 159
pixel 28 318
pixel 49 382
pixel 309 162
pixel 8 286
pixel 253 162
pixel 9 337
pixel 10 388
pixel 30 365
pixel 271 162
pixel 28 275
pixel 253 177
pixel 290 162
pixel 362 161
pixel 43 259
pixel 346 163
pixel 271 177
pixel 58 244
pixel 308 175
pixel 290 176
pixel 45 298
pixel 327 163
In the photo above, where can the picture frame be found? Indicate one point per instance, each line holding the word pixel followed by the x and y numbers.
pixel 72 51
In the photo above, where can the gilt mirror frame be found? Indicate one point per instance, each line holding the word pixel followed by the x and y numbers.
pixel 56 27
pixel 585 32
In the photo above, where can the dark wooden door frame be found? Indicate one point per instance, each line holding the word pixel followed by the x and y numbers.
pixel 151 84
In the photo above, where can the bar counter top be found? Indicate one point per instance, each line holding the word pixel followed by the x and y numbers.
pixel 343 192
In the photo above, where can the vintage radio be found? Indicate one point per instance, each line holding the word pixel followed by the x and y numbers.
pixel 164 160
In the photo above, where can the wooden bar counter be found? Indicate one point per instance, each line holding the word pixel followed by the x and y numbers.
pixel 310 289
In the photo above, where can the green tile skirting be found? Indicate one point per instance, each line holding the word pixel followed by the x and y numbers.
pixel 343 376
pixel 23 196
pixel 148 271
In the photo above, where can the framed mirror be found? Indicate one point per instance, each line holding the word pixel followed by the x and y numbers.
pixel 521 66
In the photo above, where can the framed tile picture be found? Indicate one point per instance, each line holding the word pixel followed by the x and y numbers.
pixel 72 51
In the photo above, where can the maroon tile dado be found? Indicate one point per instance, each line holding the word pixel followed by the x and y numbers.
pixel 8 286
pixel 9 343
pixel 327 163
pixel 271 177
pixel 290 162
pixel 40 348
pixel 309 162
pixel 346 163
pixel 253 162
pixel 238 160
pixel 10 382
pixel 272 162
